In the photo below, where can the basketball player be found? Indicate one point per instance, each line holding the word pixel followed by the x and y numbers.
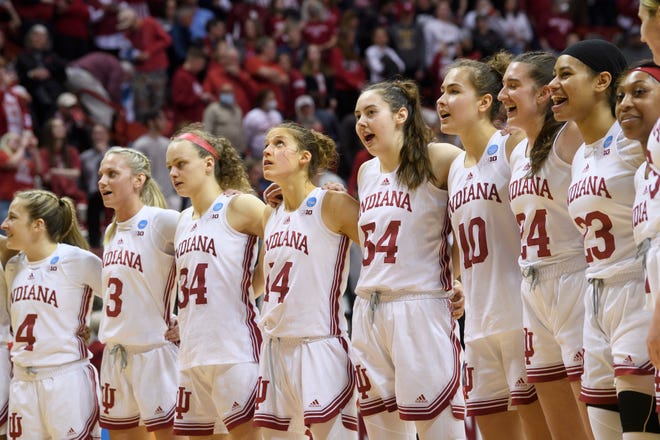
pixel 406 385
pixel 600 201
pixel 138 281
pixel 306 379
pixel 54 390
pixel 552 256
pixel 215 253
pixel 636 111
pixel 489 243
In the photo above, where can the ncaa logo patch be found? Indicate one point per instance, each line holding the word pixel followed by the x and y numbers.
pixel 311 201
pixel 218 206
pixel 607 142
pixel 55 259
pixel 492 149
pixel 142 224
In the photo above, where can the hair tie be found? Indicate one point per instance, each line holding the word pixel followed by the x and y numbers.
pixel 651 70
pixel 200 142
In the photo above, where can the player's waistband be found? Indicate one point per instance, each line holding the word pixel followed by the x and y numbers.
pixel 39 373
pixel 121 352
pixel 380 296
pixel 535 273
pixel 599 284
pixel 297 341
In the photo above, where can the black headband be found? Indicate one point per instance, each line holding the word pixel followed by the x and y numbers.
pixel 599 55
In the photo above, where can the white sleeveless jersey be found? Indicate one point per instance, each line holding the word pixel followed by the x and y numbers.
pixel 653 147
pixel 51 300
pixel 5 335
pixel 600 200
pixel 306 270
pixel 539 205
pixel 139 279
pixel 217 313
pixel 646 209
pixel 489 241
pixel 403 234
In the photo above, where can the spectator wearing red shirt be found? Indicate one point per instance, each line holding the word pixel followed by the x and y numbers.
pixel 188 97
pixel 14 115
pixel 317 29
pixel 20 162
pixel 553 28
pixel 350 74
pixel 265 70
pixel 149 56
pixel 70 29
pixel 228 69
pixel 61 162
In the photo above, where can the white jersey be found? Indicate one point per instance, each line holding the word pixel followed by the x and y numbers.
pixel 539 205
pixel 306 270
pixel 600 200
pixel 139 279
pixel 403 234
pixel 217 313
pixel 646 209
pixel 653 147
pixel 489 241
pixel 51 301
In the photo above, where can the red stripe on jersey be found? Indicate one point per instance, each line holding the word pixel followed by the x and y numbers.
pixel 335 291
pixel 245 415
pixel 167 294
pixel 159 423
pixel 272 422
pixel 246 283
pixel 445 255
pixel 94 418
pixel 85 304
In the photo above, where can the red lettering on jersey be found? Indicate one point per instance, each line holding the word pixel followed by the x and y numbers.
pixel 363 383
pixel 475 191
pixel 262 390
pixel 108 397
pixel 34 293
pixel 123 257
pixel 293 239
pixel 182 402
pixel 199 243
pixel 399 199
pixel 590 185
pixel 639 214
pixel 529 185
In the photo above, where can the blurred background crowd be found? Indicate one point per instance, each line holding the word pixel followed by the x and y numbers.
pixel 77 76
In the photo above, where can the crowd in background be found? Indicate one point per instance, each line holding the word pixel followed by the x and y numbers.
pixel 78 76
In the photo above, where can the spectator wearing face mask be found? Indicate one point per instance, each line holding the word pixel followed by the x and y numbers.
pixel 259 120
pixel 224 117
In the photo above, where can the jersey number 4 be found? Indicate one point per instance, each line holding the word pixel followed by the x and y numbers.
pixel 25 331
pixel 537 236
pixel 280 283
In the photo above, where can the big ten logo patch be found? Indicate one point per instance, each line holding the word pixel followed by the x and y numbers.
pixel 182 402
pixel 492 149
pixel 141 225
pixel 217 207
pixel 363 383
pixel 529 346
pixel 15 426
pixel 53 262
pixel 108 397
pixel 468 381
pixel 262 391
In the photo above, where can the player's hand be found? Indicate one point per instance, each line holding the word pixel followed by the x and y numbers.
pixel 653 339
pixel 85 332
pixel 273 195
pixel 334 186
pixel 172 332
pixel 457 300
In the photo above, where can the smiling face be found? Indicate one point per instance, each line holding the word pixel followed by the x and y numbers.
pixel 458 103
pixel 18 226
pixel 572 89
pixel 637 110
pixel 376 125
pixel 117 183
pixel 521 97
pixel 650 29
pixel 188 171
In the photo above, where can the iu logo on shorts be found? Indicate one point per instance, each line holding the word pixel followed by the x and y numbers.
pixel 363 384
pixel 108 397
pixel 467 380
pixel 182 402
pixel 529 346
pixel 262 389
pixel 15 427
